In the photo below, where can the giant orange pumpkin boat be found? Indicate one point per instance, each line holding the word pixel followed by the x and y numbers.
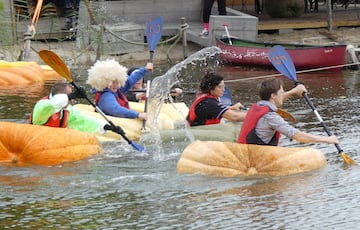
pixel 22 72
pixel 22 144
pixel 232 159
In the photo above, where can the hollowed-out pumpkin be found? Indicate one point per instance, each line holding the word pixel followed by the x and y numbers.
pixel 32 144
pixel 233 159
pixel 25 72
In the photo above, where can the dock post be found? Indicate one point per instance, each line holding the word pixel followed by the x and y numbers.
pixel 352 52
pixel 184 26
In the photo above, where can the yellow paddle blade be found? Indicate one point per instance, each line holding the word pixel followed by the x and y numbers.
pixel 55 62
pixel 348 160
pixel 286 115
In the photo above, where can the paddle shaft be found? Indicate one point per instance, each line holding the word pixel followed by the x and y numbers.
pixel 322 123
pixel 151 59
pixel 284 64
pixel 55 62
pixel 122 133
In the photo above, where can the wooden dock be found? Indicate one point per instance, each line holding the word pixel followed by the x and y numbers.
pixel 50 28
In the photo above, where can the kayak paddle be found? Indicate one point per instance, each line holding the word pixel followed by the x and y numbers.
pixel 282 113
pixel 281 60
pixel 153 36
pixel 55 62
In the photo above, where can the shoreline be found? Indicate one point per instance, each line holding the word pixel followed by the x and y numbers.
pixel 170 54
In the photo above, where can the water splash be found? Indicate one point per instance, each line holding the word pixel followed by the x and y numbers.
pixel 185 74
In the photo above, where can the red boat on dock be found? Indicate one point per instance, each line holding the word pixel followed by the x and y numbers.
pixel 243 52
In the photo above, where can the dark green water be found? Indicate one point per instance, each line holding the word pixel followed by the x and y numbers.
pixel 123 189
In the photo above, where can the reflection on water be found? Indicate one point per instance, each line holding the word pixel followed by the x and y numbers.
pixel 125 190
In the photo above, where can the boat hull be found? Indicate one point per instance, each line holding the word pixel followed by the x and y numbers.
pixel 232 159
pixel 304 56
pixel 169 118
pixel 24 73
pixel 24 144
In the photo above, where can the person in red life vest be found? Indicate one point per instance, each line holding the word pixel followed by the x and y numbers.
pixel 263 125
pixel 55 111
pixel 207 108
pixel 138 92
pixel 110 81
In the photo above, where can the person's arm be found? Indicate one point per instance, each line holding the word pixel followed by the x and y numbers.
pixel 176 92
pixel 279 124
pixel 298 90
pixel 110 106
pixel 237 106
pixel 84 123
pixel 136 75
pixel 232 115
pixel 303 137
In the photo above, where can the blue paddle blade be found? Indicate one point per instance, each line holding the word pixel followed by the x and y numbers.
pixel 138 147
pixel 154 29
pixel 281 60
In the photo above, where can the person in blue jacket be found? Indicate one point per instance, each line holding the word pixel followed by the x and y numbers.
pixel 110 82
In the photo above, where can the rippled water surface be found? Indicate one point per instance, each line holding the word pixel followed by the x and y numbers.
pixel 123 189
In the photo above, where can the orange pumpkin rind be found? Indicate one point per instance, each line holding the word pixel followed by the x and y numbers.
pixel 232 159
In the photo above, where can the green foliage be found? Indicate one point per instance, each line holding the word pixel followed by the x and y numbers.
pixel 1 5
pixel 284 8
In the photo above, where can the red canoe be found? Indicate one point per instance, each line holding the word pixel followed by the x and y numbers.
pixel 304 56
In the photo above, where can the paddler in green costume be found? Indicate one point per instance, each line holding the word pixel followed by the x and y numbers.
pixel 55 111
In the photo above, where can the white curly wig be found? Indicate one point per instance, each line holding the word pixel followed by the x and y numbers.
pixel 103 73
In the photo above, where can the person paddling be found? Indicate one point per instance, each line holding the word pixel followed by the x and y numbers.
pixel 207 108
pixel 138 92
pixel 55 110
pixel 110 82
pixel 262 125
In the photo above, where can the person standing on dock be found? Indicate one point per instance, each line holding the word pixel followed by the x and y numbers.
pixel 207 6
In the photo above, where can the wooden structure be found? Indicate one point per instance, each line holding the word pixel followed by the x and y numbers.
pixel 127 19
pixel 137 13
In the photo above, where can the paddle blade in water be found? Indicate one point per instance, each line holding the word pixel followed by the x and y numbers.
pixel 281 60
pixel 138 147
pixel 348 160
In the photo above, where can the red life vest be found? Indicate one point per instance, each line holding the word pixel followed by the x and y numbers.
pixel 120 98
pixel 192 115
pixel 58 120
pixel 247 134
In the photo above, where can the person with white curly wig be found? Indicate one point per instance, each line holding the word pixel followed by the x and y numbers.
pixel 110 81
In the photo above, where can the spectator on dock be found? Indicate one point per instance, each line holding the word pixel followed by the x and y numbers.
pixel 71 11
pixel 259 6
pixel 312 5
pixel 207 6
